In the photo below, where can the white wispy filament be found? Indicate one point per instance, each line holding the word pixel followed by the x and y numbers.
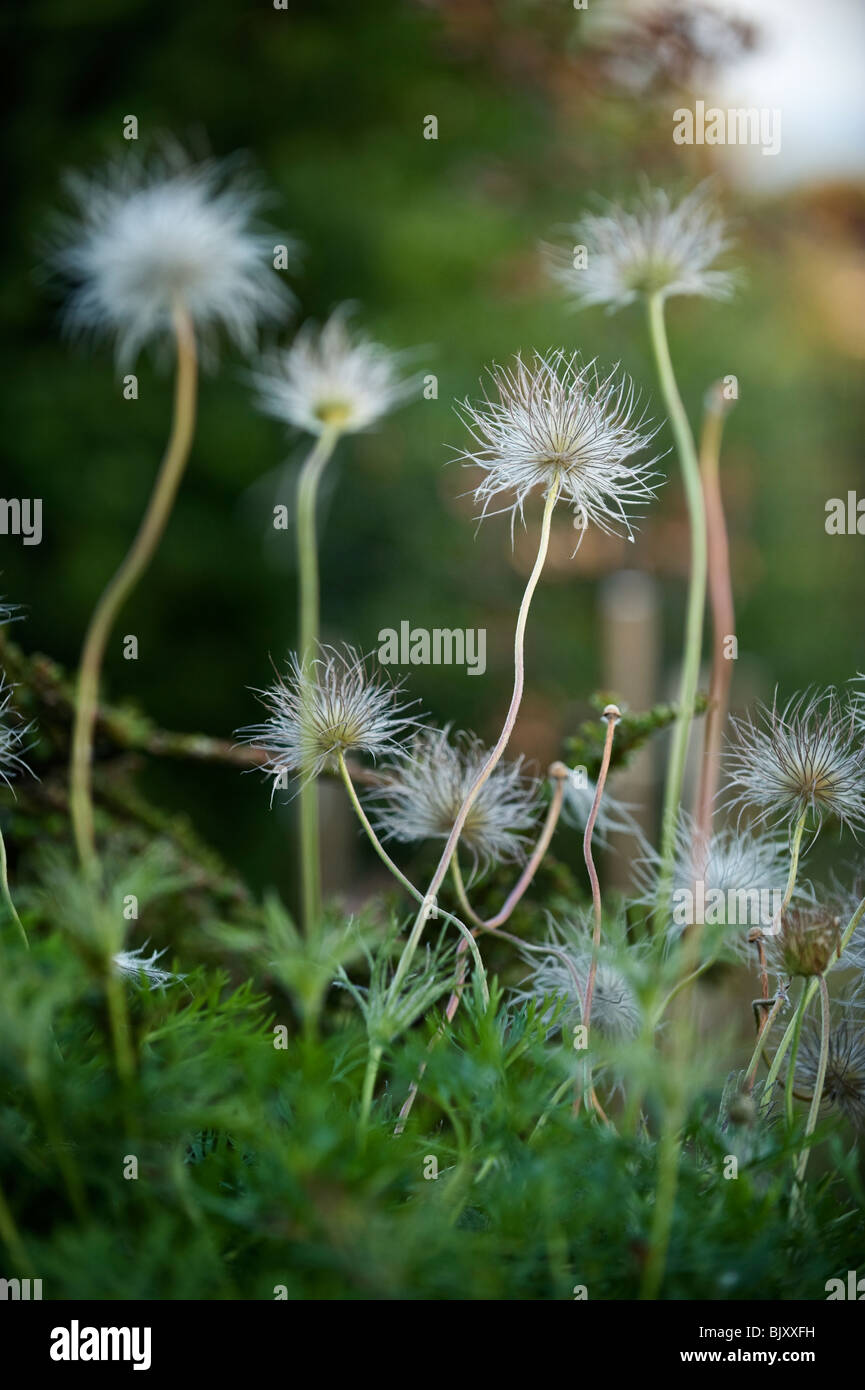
pixel 555 418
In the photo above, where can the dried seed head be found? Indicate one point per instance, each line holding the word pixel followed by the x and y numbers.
pixel 424 791
pixel 13 736
pixel 807 758
pixel 807 939
pixel 331 705
pixel 560 971
pixel 151 236
pixel 331 378
pixel 844 1086
pixel 656 247
pixel 133 965
pixel 555 420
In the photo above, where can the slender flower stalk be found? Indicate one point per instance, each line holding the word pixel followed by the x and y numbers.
pixel 687 453
pixel 309 604
pixel 810 991
pixel 801 1163
pixel 7 896
pixel 612 715
pixel 500 746
pixel 328 383
pixel 121 586
pixel 723 617
pixel 376 1051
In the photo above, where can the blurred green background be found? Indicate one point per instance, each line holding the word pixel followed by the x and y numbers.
pixel 438 243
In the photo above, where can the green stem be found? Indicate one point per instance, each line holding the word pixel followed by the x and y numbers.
pixel 124 581
pixel 372 1065
pixel 11 1238
pixel 385 858
pixel 7 896
pixel 798 1020
pixel 309 619
pixel 818 1092
pixel 687 452
pixel 503 739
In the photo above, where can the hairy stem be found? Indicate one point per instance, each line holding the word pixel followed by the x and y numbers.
pixel 309 621
pixel 120 587
pixel 723 619
pixel 502 743
pixel 687 453
pixel 7 896
pixel 811 1124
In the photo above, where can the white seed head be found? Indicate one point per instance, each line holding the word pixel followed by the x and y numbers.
pixel 13 735
pixel 556 420
pixel 133 965
pixel 331 705
pixel 150 237
pixel 332 377
pixel 808 757
pixel 747 866
pixel 614 817
pixel 560 972
pixel 655 247
pixel 425 788
pixel 844 1086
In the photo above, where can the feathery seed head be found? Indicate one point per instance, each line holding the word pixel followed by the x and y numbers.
pixel 742 873
pixel 330 705
pixel 560 971
pixel 844 1086
pixel 13 734
pixel 614 816
pixel 330 377
pixel 133 965
pixel 153 237
pixel 655 247
pixel 426 787
pixel 807 939
pixel 808 757
pixel 556 420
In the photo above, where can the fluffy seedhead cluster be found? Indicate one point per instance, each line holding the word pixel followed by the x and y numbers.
pixel 655 247
pixel 738 875
pixel 332 378
pixel 845 1070
pixel 559 975
pixel 13 735
pixel 151 237
pixel 332 704
pixel 554 420
pixel 805 759
pixel 422 792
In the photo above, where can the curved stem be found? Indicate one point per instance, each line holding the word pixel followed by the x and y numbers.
pixel 612 716
pixel 468 942
pixel 558 775
pixel 308 622
pixel 502 743
pixel 777 1062
pixel 7 896
pixel 687 453
pixel 818 1092
pixel 124 581
pixel 723 619
pixel 762 1032
pixel 798 1020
